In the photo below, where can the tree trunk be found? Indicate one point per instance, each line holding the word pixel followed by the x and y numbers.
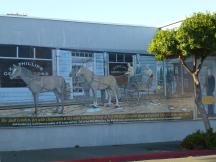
pixel 198 101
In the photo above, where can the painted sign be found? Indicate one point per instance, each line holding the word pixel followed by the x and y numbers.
pixel 208 100
pixel 117 69
pixel 83 119
pixel 40 67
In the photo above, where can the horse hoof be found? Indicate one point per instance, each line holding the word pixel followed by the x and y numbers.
pixel 117 106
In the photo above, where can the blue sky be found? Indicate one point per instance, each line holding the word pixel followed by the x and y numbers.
pixel 155 13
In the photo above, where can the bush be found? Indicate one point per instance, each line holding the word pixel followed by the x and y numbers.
pixel 200 140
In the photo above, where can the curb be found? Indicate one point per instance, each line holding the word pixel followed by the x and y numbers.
pixel 148 156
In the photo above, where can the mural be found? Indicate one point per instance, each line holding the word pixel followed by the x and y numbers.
pixel 37 67
pixel 90 87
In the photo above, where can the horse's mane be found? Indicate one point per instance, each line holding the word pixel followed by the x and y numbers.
pixel 27 72
pixel 88 74
pixel 87 70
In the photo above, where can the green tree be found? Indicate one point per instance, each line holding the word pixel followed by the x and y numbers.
pixel 195 38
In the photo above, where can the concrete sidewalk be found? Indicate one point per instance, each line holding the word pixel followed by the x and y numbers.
pixel 79 153
pixel 210 158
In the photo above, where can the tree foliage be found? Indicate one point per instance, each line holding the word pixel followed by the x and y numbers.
pixel 196 36
pixel 164 45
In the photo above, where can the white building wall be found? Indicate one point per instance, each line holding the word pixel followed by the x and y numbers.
pixel 14 139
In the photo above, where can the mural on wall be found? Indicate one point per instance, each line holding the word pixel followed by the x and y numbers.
pixel 38 84
pixel 107 83
pixel 139 90
pixel 37 67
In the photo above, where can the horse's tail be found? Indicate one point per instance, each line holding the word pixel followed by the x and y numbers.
pixel 118 91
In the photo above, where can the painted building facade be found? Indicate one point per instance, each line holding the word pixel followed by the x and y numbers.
pixel 46 47
pixel 58 47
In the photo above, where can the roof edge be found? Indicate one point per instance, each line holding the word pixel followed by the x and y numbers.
pixel 75 21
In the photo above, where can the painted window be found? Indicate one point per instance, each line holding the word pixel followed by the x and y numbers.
pixel 24 56
pixel 118 63
pixel 8 51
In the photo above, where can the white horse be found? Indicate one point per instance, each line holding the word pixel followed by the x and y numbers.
pixel 95 82
pixel 38 84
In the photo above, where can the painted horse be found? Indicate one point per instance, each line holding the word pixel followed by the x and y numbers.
pixel 107 83
pixel 38 84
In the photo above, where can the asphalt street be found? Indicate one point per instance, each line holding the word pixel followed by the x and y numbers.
pixel 78 153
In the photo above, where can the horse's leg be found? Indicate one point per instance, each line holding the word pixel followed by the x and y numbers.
pixel 114 90
pixel 103 96
pixel 57 100
pixel 138 96
pixel 35 96
pixel 109 97
pixel 116 96
pixel 95 98
pixel 62 101
pixel 117 102
pixel 96 104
